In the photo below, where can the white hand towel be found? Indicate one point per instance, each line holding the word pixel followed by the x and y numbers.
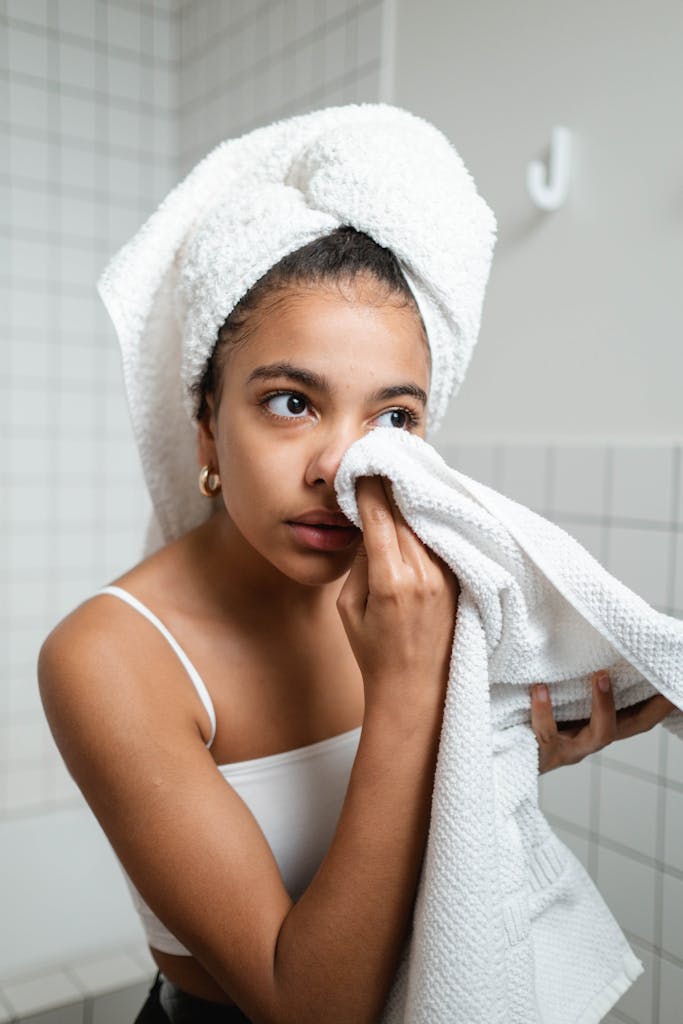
pixel 246 205
pixel 508 927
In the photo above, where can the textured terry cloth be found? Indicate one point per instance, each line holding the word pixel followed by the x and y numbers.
pixel 250 202
pixel 508 927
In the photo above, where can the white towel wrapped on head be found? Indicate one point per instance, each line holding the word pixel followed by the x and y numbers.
pixel 508 927
pixel 246 205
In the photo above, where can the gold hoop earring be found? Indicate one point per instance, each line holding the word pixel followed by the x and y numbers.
pixel 209 482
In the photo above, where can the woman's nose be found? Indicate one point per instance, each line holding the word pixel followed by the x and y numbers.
pixel 327 453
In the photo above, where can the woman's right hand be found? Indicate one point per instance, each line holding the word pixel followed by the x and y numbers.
pixel 398 607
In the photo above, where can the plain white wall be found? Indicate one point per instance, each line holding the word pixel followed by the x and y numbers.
pixel 582 321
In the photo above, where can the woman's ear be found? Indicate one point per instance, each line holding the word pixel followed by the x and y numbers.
pixel 206 435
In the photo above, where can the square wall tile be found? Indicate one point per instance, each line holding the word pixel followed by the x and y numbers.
pixel 671 995
pixel 26 50
pixel 480 461
pixel 32 11
pixel 641 751
pixel 642 483
pixel 123 1005
pixel 108 973
pixel 524 475
pixel 589 536
pixel 566 793
pixel 640 559
pixel 77 18
pixel 674 758
pixel 79 116
pixel 672 916
pixel 628 888
pixel 28 105
pixel 673 831
pixel 123 27
pixel 579 480
pixel 628 810
pixel 44 993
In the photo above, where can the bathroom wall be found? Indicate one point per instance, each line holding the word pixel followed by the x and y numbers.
pixel 582 318
pixel 573 401
pixel 247 63
pixel 103 106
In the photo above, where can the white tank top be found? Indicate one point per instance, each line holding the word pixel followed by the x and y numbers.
pixel 295 796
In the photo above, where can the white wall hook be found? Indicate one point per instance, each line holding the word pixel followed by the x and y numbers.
pixel 550 191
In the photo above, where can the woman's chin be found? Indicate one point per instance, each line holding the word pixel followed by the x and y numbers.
pixel 317 571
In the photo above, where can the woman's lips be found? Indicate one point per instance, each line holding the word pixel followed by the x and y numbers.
pixel 323 537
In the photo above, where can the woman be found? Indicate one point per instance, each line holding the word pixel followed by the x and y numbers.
pixel 280 887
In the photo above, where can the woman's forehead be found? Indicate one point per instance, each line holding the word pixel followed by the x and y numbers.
pixel 325 322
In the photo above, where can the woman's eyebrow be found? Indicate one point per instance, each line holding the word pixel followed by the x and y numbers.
pixel 312 380
pixel 396 390
pixel 321 383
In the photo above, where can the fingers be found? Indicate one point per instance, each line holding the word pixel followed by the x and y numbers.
pixel 379 531
pixel 602 728
pixel 390 542
pixel 542 719
pixel 570 745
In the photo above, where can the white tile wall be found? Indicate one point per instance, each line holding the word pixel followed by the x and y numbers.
pixel 83 168
pixel 243 65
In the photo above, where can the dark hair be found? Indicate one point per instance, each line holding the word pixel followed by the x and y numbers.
pixel 335 259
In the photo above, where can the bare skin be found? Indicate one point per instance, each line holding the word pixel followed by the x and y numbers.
pixel 294 645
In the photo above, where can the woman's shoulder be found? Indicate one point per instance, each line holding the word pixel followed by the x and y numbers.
pixel 104 627
pixel 103 652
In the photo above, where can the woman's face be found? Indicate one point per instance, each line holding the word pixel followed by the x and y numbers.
pixel 315 374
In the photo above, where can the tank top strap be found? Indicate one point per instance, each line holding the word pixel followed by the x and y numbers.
pixel 197 680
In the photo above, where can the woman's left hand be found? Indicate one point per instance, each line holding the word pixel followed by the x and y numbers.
pixel 570 742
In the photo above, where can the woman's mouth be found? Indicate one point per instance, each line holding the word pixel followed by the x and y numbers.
pixel 332 532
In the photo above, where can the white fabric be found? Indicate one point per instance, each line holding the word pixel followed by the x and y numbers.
pixel 296 796
pixel 508 927
pixel 254 200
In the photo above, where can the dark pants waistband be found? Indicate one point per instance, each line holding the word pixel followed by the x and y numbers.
pixel 168 1004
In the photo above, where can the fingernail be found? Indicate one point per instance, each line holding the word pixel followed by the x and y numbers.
pixel 541 692
pixel 603 682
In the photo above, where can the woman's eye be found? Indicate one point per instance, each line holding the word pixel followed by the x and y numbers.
pixel 287 404
pixel 400 418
